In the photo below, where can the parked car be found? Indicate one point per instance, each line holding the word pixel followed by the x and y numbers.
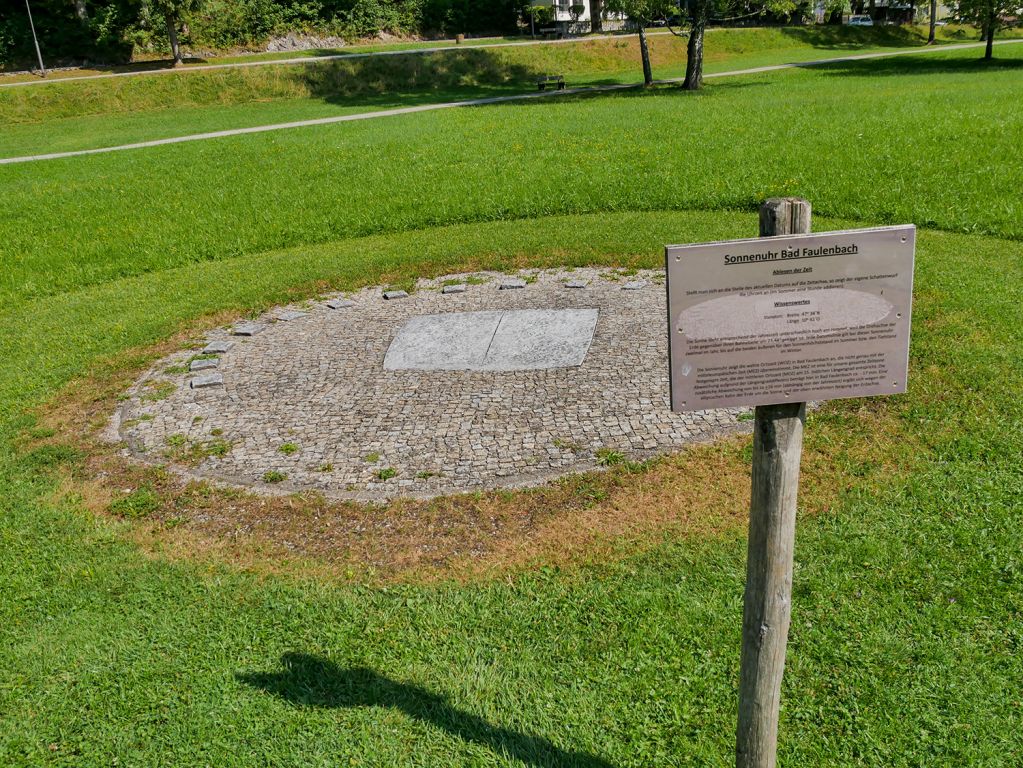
pixel 861 21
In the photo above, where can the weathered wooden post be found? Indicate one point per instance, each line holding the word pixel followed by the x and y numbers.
pixel 777 447
pixel 774 322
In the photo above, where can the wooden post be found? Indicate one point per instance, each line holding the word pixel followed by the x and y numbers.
pixel 777 445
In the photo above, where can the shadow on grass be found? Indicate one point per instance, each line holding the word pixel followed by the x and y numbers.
pixel 637 91
pixel 482 72
pixel 922 65
pixel 312 681
pixel 845 38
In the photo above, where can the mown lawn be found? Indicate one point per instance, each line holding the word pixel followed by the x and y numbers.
pixel 81 115
pixel 906 640
pixel 932 139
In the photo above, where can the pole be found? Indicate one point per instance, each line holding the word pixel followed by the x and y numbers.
pixel 777 445
pixel 39 54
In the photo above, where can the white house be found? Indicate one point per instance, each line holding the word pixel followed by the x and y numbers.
pixel 573 16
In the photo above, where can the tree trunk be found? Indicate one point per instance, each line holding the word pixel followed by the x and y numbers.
pixel 934 21
pixel 989 51
pixel 81 11
pixel 172 33
pixel 644 50
pixel 694 57
pixel 596 15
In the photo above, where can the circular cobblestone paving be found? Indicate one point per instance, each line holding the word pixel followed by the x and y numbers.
pixel 303 401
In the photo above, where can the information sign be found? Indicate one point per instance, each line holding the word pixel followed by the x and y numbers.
pixel 791 318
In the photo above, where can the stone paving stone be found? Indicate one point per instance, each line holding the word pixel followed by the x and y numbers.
pixel 460 288
pixel 217 347
pixel 322 385
pixel 203 365
pixel 576 284
pixel 511 284
pixel 288 315
pixel 248 329
pixel 634 285
pixel 395 294
pixel 340 303
pixel 207 380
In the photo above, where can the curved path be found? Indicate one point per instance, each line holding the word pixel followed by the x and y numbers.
pixel 476 102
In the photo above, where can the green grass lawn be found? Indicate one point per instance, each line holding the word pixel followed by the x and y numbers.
pixel 69 116
pixel 906 645
pixel 85 220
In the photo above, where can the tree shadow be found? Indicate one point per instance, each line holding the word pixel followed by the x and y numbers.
pixel 661 89
pixel 846 38
pixel 312 681
pixel 476 72
pixel 919 65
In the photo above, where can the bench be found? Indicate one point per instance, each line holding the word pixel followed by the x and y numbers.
pixel 544 80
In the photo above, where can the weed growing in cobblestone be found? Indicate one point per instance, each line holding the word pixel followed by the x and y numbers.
pixel 608 457
pixel 273 476
pixel 386 473
pixel 371 458
pixel 157 390
pixel 288 449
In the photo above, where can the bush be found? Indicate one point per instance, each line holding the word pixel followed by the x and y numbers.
pixel 115 27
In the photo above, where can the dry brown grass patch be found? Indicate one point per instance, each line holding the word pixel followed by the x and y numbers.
pixel 580 519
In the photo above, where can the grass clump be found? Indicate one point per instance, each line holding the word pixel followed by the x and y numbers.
pixel 274 476
pixel 385 473
pixel 371 458
pixel 53 455
pixel 141 502
pixel 288 449
pixel 157 390
pixel 608 457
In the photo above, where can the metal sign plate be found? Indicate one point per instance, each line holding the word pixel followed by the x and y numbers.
pixel 791 318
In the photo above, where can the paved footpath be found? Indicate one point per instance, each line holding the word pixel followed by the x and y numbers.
pixel 478 102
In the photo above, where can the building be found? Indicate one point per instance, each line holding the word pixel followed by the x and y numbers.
pixel 573 17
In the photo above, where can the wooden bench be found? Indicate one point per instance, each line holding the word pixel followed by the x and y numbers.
pixel 544 80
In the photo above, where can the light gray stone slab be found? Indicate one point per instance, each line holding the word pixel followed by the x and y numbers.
pixel 515 340
pixel 288 315
pixel 247 329
pixel 207 380
pixel 395 294
pixel 534 339
pixel 460 288
pixel 203 365
pixel 340 303
pixel 455 341
pixel 217 347
pixel 634 285
pixel 576 284
pixel 511 283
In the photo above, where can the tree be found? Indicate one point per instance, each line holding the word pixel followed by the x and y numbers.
pixel 697 14
pixel 597 15
pixel 174 13
pixel 988 15
pixel 934 21
pixel 642 12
